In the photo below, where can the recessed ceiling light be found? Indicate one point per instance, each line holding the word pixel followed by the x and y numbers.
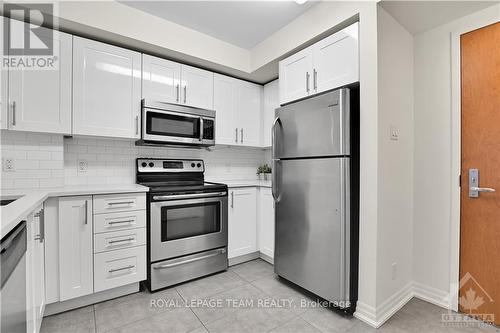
pixel 300 2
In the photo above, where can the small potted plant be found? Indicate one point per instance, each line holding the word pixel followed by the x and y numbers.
pixel 263 170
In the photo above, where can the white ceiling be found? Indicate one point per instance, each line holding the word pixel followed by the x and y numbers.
pixel 420 16
pixel 241 23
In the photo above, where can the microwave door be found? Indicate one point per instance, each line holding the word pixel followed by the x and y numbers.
pixel 175 127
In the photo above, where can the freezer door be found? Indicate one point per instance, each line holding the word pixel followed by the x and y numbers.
pixel 315 127
pixel 312 236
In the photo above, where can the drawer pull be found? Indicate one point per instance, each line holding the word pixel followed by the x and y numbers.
pixel 121 269
pixel 121 240
pixel 121 203
pixel 119 222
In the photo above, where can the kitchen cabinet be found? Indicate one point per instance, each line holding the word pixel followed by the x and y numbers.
pixel 238 106
pixel 40 100
pixel 330 63
pixel 106 90
pixel 3 82
pixel 75 247
pixel 266 222
pixel 242 221
pixel 35 270
pixel 271 103
pixel 171 82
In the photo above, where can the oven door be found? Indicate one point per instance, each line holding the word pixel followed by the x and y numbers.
pixel 171 126
pixel 181 227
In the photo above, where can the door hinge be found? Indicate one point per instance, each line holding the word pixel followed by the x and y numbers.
pixel 459 180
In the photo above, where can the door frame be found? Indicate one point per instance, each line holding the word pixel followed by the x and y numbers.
pixel 456 153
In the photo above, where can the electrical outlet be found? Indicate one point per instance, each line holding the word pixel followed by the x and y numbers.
pixel 9 165
pixel 394 270
pixel 82 165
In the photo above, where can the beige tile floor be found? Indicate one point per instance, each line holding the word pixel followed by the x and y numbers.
pixel 246 298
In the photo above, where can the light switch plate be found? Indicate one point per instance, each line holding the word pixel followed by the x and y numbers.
pixel 394 134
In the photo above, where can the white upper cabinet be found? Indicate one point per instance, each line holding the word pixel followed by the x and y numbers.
pixel 295 76
pixel 238 107
pixel 160 80
pixel 106 89
pixel 271 103
pixel 40 99
pixel 197 87
pixel 166 81
pixel 225 106
pixel 336 60
pixel 330 63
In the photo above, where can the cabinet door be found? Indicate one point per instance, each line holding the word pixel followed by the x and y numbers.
pixel 296 76
pixel 249 109
pixel 106 89
pixel 266 222
pixel 225 98
pixel 38 268
pixel 40 100
pixel 336 60
pixel 75 247
pixel 271 102
pixel 30 294
pixel 197 87
pixel 160 80
pixel 242 220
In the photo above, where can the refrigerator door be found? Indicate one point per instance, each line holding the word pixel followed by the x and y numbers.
pixel 312 236
pixel 315 127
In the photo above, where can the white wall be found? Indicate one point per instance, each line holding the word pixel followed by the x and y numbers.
pixel 395 161
pixel 433 148
pixel 48 160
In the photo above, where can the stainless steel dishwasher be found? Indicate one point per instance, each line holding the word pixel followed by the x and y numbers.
pixel 13 276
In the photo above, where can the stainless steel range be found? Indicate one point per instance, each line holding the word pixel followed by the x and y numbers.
pixel 187 221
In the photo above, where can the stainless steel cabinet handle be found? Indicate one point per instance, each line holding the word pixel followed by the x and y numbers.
pixel 136 125
pixel 315 79
pixel 119 222
pixel 121 240
pixel 236 139
pixel 177 92
pixel 185 93
pixel 86 212
pixel 121 269
pixel 41 221
pixel 120 203
pixel 14 113
pixel 190 260
pixel 232 199
pixel 241 131
pixel 307 82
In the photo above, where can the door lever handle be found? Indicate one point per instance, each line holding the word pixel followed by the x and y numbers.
pixel 483 189
pixel 474 188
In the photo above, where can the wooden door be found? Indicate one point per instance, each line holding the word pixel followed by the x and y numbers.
pixel 480 217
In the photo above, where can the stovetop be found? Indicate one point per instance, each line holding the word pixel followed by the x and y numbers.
pixel 180 188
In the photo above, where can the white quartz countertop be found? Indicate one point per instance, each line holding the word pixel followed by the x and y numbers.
pixel 242 182
pixel 29 200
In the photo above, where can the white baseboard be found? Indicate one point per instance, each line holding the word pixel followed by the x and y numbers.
pixel 376 317
pixel 267 258
pixel 244 258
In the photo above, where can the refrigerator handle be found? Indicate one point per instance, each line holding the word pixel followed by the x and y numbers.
pixel 274 183
pixel 273 137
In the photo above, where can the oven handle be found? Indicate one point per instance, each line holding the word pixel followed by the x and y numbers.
pixel 187 261
pixel 189 196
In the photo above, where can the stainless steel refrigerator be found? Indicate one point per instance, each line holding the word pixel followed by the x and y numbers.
pixel 315 191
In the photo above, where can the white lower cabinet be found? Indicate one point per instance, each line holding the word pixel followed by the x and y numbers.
pixel 35 270
pixel 266 222
pixel 75 247
pixel 242 221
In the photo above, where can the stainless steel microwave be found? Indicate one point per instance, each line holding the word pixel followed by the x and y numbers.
pixel 172 124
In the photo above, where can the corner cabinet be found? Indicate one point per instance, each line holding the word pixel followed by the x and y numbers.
pixel 271 103
pixel 242 221
pixel 40 100
pixel 171 82
pixel 328 64
pixel 75 247
pixel 265 227
pixel 238 105
pixel 106 90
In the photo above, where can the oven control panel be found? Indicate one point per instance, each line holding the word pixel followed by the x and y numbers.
pixel 169 165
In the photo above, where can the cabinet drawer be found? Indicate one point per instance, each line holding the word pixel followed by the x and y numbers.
pixel 119 221
pixel 119 239
pixel 118 268
pixel 119 202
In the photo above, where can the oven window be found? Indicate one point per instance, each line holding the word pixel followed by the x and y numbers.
pixel 189 220
pixel 172 125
